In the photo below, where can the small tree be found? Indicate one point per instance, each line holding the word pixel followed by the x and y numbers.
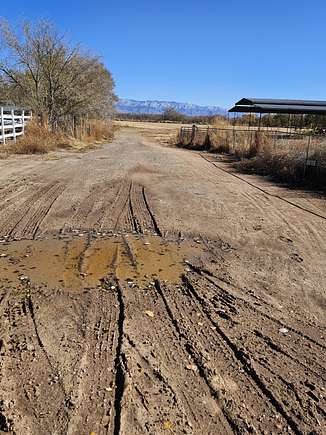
pixel 39 69
pixel 170 114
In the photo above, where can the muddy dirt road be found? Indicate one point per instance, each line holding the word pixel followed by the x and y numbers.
pixel 146 289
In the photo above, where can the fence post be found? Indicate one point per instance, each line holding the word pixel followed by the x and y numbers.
pixel 233 139
pixel 13 124
pixel 307 156
pixel 207 141
pixel 23 121
pixel 2 126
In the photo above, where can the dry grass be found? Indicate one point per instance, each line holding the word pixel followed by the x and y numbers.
pixel 37 140
pixel 242 144
pixel 162 132
pixel 221 141
pixel 97 131
pixel 261 152
pixel 220 122
pixel 271 162
pixel 285 160
pixel 40 139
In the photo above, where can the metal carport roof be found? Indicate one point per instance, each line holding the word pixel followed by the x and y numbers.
pixel 274 108
pixel 260 105
pixel 278 102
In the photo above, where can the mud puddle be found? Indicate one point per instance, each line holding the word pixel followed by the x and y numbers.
pixel 78 262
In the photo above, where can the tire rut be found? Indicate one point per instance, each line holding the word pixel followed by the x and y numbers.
pixel 244 359
pixel 236 293
pixel 293 204
pixel 24 221
pixel 131 211
pixel 258 357
pixel 94 380
pixel 223 372
pixel 196 360
pixel 25 343
pixel 167 392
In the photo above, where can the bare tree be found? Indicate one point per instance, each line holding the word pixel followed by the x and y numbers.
pixel 39 69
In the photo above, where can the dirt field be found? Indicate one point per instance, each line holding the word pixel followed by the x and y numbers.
pixel 162 132
pixel 150 290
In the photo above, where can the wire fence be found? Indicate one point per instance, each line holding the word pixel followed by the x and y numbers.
pixel 308 148
pixel 13 121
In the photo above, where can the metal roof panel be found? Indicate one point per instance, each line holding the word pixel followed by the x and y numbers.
pixel 251 101
pixel 275 108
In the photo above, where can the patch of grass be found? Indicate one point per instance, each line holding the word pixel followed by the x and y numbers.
pixel 285 161
pixel 241 143
pixel 97 131
pixel 164 133
pixel 39 139
pixel 279 155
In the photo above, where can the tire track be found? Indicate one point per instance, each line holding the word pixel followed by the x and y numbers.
pixel 223 372
pixel 63 413
pixel 46 212
pixel 293 204
pixel 31 358
pixel 134 213
pixel 123 197
pixel 151 214
pixel 193 355
pixel 95 375
pixel 24 221
pixel 222 285
pixel 132 204
pixel 167 392
pixel 230 302
pixel 91 211
pixel 245 360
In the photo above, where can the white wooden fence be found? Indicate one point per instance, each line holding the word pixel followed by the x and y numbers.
pixel 13 121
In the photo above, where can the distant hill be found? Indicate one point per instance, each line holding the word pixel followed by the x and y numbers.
pixel 157 107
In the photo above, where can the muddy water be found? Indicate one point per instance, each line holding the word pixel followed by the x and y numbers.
pixel 81 261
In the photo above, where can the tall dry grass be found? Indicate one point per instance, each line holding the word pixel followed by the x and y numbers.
pixel 96 131
pixel 39 139
pixel 195 140
pixel 285 160
pixel 243 144
pixel 264 153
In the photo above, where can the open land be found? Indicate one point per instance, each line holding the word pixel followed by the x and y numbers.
pixel 150 289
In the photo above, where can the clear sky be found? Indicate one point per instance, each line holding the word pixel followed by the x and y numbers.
pixel 206 52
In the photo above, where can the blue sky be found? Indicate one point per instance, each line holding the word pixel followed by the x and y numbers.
pixel 205 52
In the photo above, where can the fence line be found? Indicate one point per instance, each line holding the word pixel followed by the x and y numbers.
pixel 309 147
pixel 13 121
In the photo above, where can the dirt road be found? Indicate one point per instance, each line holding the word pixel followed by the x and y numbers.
pixel 147 289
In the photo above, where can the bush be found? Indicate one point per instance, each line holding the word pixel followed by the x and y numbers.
pixel 241 143
pixel 261 152
pixel 36 140
pixel 97 131
pixel 39 139
pixel 284 159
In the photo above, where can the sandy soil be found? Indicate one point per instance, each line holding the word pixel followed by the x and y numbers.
pixel 147 289
pixel 162 132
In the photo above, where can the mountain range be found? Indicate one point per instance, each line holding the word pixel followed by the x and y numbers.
pixel 157 107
